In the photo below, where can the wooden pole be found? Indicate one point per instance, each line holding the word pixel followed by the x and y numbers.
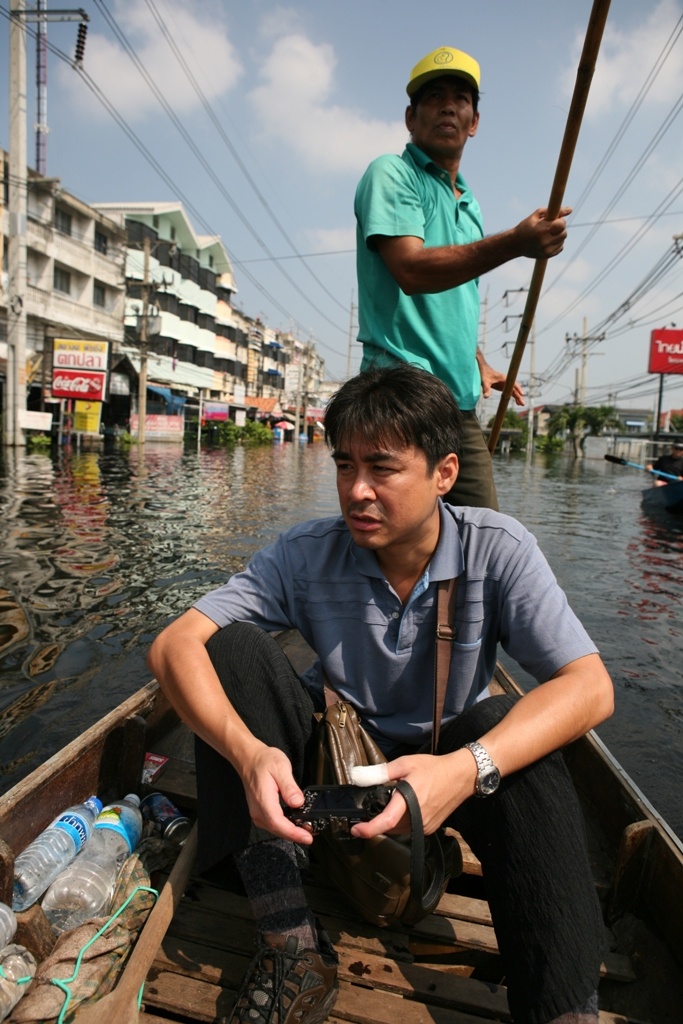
pixel 584 75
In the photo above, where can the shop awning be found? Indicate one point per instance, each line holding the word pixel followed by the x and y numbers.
pixel 174 403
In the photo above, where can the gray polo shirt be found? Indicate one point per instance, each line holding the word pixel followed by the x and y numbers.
pixel 378 653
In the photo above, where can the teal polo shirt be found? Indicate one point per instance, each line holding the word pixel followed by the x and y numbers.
pixel 410 195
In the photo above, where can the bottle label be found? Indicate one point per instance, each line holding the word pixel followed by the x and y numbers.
pixel 121 820
pixel 75 826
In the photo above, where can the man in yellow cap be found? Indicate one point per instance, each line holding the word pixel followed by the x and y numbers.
pixel 421 250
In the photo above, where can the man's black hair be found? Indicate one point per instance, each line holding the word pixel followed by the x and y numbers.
pixel 401 403
pixel 417 96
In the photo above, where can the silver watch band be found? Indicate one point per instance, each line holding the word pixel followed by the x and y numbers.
pixel 488 776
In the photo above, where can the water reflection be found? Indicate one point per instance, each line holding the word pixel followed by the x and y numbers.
pixel 99 550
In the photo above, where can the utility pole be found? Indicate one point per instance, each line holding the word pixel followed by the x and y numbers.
pixel 41 128
pixel 15 389
pixel 580 378
pixel 348 353
pixel 299 388
pixel 144 334
pixel 584 358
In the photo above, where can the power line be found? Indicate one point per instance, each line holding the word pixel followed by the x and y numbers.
pixel 187 138
pixel 232 150
pixel 171 184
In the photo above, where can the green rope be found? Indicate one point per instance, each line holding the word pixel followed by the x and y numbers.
pixel 15 981
pixel 64 983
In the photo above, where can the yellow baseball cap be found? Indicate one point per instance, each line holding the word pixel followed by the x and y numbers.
pixel 444 61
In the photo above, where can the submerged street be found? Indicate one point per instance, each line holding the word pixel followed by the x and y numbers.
pixel 99 550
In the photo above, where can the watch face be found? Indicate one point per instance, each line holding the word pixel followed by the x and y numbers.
pixel 489 783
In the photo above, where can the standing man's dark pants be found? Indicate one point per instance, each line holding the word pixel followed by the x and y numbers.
pixel 475 484
pixel 528 836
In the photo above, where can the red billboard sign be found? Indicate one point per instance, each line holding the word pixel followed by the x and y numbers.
pixel 84 384
pixel 666 351
pixel 79 368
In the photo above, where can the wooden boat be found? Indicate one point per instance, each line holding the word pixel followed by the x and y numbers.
pixel 193 951
pixel 668 498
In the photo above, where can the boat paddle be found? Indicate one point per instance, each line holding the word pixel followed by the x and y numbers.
pixel 636 465
pixel 584 75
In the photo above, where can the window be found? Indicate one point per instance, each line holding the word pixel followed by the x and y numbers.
pixel 62 281
pixel 99 295
pixel 101 242
pixel 63 221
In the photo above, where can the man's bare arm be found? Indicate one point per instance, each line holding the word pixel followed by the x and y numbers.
pixel 420 269
pixel 181 664
pixel 548 717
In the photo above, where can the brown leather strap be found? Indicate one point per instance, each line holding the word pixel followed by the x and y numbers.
pixel 445 635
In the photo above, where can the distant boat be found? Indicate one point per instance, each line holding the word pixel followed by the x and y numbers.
pixel 669 498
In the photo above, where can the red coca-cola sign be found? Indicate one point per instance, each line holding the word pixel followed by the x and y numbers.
pixel 84 384
pixel 666 351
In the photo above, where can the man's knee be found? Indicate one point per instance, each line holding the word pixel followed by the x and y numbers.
pixel 234 637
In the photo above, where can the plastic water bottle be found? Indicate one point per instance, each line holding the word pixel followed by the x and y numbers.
pixel 52 851
pixel 16 965
pixel 8 925
pixel 85 888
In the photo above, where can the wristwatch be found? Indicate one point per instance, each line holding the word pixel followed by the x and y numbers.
pixel 488 777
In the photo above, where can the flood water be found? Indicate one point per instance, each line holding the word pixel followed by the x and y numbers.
pixel 98 551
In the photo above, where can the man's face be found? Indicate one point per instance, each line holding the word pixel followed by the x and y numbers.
pixel 388 495
pixel 444 118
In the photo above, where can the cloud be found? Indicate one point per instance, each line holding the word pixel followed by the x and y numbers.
pixel 203 42
pixel 332 239
pixel 293 108
pixel 626 58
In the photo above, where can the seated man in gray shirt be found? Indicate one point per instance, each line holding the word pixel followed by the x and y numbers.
pixel 361 590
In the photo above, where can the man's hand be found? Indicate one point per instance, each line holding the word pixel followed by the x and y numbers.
pixel 267 778
pixel 441 784
pixel 495 380
pixel 539 238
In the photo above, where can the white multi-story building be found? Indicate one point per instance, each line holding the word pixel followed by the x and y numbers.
pixel 184 275
pixel 92 271
pixel 74 274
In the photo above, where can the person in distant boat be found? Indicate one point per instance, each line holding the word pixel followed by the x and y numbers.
pixel 420 251
pixel 361 590
pixel 671 463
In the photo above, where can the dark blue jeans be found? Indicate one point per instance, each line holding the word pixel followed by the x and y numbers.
pixel 529 836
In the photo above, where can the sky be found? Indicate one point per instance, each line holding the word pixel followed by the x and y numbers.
pixel 261 117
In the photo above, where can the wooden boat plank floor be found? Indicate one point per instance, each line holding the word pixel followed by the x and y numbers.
pixel 447 969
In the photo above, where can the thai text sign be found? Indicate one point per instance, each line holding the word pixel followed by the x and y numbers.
pixel 79 369
pixel 666 351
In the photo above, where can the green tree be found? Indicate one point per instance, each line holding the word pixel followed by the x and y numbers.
pixel 513 421
pixel 677 422
pixel 252 433
pixel 578 422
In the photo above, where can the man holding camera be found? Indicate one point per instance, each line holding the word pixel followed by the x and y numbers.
pixel 360 588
